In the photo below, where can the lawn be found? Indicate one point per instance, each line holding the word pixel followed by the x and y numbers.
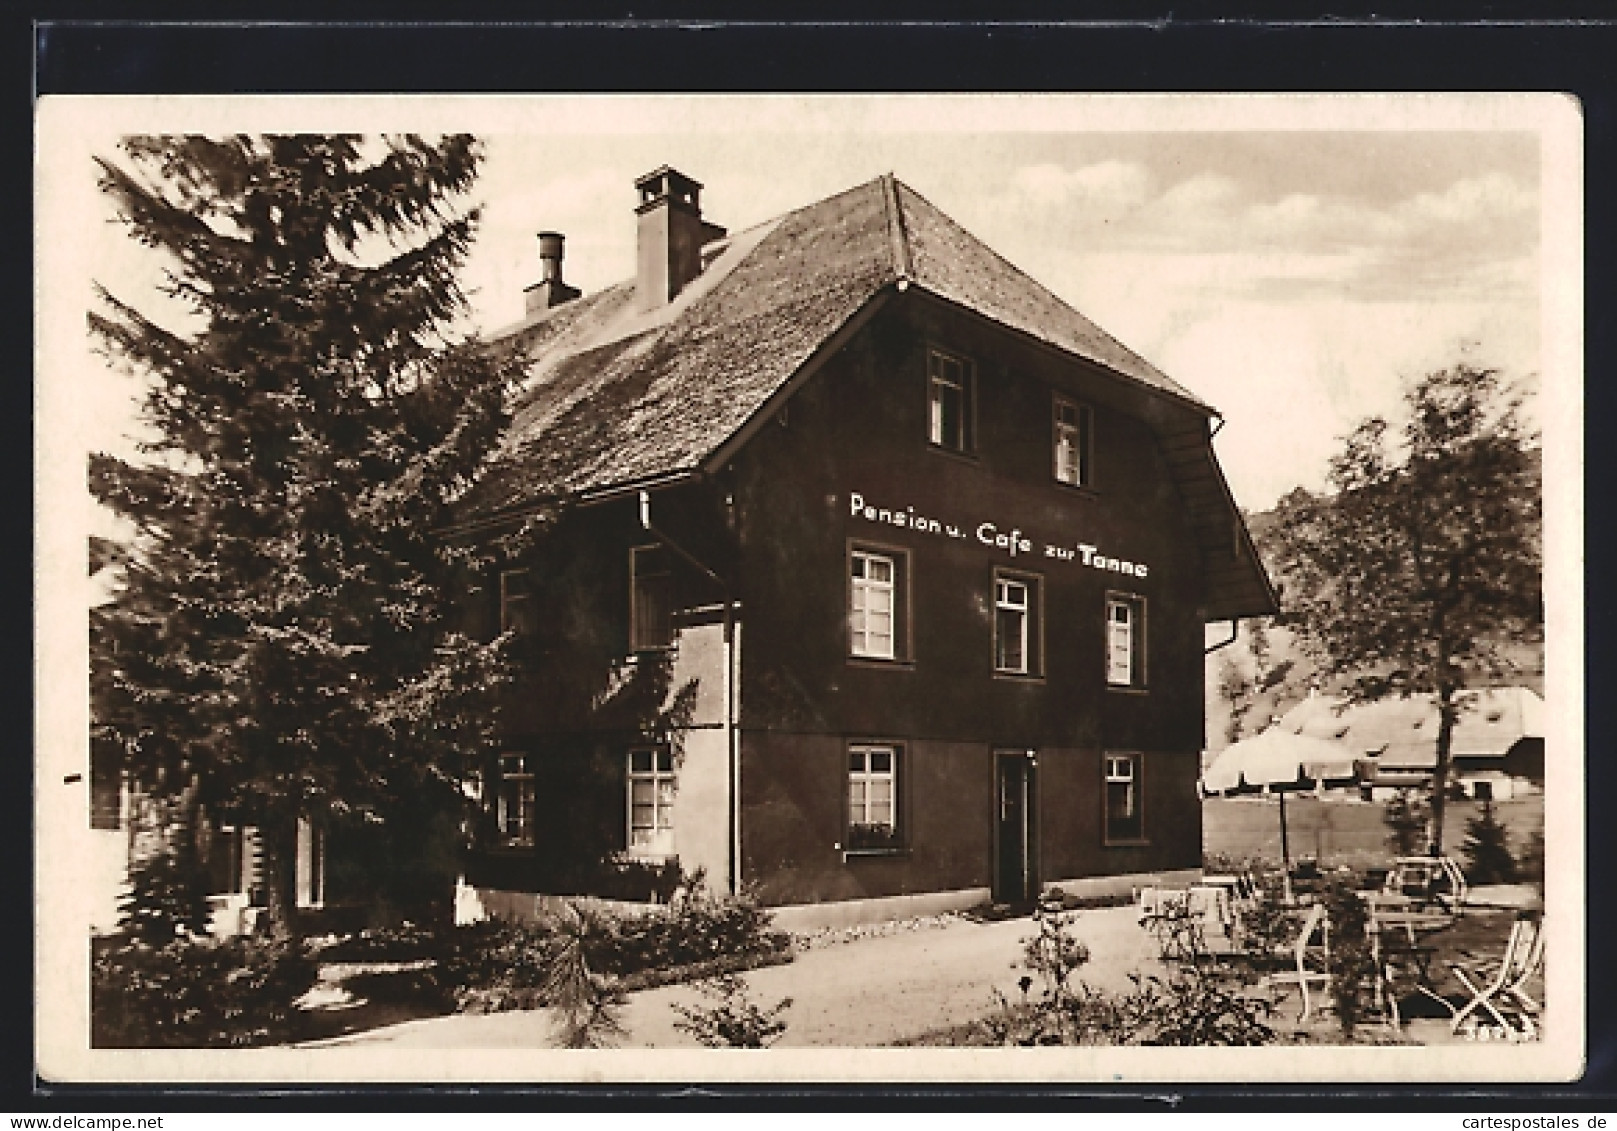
pixel 1341 829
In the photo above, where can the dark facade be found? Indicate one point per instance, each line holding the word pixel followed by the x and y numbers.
pixel 929 620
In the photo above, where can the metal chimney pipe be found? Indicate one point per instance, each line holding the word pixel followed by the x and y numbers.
pixel 550 252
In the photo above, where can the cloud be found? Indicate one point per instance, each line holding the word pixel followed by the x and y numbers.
pixel 1120 184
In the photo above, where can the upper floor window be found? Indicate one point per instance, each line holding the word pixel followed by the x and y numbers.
pixel 651 599
pixel 515 800
pixel 1124 818
pixel 516 602
pixel 877 594
pixel 1125 641
pixel 1071 429
pixel 873 812
pixel 1016 623
pixel 950 409
pixel 651 801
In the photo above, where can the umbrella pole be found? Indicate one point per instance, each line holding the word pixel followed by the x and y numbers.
pixel 1285 850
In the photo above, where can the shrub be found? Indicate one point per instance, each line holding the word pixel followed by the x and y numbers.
pixel 733 1020
pixel 1487 849
pixel 495 966
pixel 588 1006
pixel 1351 964
pixel 697 927
pixel 166 899
pixel 188 994
pixel 1195 1003
pixel 1406 816
pixel 404 942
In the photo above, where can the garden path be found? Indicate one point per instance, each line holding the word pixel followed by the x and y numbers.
pixel 864 992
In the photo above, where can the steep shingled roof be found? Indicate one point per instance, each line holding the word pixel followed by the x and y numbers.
pixel 616 397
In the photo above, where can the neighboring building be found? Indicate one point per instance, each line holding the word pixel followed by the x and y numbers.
pixel 128 822
pixel 849 564
pixel 1496 751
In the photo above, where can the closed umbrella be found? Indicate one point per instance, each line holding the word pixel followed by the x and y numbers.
pixel 1279 761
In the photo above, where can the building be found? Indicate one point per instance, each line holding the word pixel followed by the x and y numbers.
pixel 1496 751
pixel 850 565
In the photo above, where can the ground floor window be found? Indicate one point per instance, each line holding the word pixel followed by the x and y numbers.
pixel 651 801
pixel 106 787
pixel 515 800
pixel 1124 816
pixel 873 813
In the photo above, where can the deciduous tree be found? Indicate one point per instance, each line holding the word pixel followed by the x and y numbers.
pixel 1423 559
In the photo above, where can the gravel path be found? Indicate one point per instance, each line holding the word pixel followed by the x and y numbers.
pixel 851 989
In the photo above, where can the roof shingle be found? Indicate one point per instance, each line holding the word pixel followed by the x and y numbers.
pixel 616 397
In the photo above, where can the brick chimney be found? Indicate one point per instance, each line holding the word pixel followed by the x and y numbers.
pixel 549 291
pixel 670 236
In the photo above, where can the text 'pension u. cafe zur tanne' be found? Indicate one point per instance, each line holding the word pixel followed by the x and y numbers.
pixel 1013 542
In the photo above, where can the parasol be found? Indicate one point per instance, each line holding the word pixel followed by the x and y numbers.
pixel 1278 761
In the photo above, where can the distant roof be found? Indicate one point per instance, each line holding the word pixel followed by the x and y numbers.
pixel 617 397
pixel 1403 732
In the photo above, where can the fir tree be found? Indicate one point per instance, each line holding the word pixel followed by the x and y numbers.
pixel 280 634
pixel 1487 849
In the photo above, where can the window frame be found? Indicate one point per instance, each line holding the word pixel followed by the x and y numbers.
pixel 511 620
pixel 1085 446
pixel 896 842
pixel 1032 623
pixel 967 385
pixel 1138 628
pixel 902 585
pixel 1136 782
pixel 638 645
pixel 107 787
pixel 661 771
pixel 526 800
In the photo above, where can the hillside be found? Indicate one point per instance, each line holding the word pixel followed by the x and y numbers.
pixel 1270 672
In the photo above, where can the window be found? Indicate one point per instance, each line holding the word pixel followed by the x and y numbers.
pixel 1071 435
pixel 651 802
pixel 651 599
pixel 1125 641
pixel 1123 816
pixel 1017 629
pixel 873 798
pixel 515 799
pixel 516 602
pixel 106 787
pixel 949 402
pixel 877 599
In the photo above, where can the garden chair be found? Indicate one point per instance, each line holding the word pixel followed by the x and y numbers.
pixel 1310 955
pixel 1428 880
pixel 1502 984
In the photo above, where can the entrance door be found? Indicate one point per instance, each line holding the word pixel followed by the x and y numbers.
pixel 1015 830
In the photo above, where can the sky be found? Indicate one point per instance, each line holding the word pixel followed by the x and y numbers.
pixel 1292 262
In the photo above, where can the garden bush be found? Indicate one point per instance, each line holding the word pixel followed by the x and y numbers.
pixel 497 965
pixel 1195 1003
pixel 731 1019
pixel 1487 849
pixel 198 994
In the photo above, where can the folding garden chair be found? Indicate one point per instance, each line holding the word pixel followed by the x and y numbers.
pixel 1503 984
pixel 1310 957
